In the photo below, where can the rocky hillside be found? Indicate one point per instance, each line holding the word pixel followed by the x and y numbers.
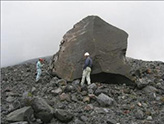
pixel 56 101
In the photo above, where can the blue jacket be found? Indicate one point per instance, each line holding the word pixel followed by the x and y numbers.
pixel 88 63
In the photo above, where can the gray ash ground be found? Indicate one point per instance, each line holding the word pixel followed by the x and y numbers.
pixel 143 104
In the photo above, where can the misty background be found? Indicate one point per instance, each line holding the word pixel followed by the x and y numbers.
pixel 32 29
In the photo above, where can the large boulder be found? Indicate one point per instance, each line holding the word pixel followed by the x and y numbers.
pixel 42 109
pixel 22 114
pixel 106 44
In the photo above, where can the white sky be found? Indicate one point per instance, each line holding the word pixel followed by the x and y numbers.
pixel 31 29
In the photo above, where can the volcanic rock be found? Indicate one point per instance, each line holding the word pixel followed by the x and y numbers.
pixel 86 99
pixel 150 89
pixel 44 116
pixel 106 44
pixel 139 114
pixel 22 122
pixel 65 96
pixel 104 100
pixel 39 104
pixel 42 109
pixel 149 101
pixel 63 115
pixel 141 83
pixel 22 114
pixel 69 88
pixel 57 91
pixel 92 86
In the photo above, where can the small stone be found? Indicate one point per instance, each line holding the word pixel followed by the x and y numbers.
pixel 90 91
pixel 148 112
pixel 162 99
pixel 11 107
pixel 64 96
pixel 142 82
pixel 92 96
pixel 103 90
pixel 132 107
pixel 139 104
pixel 126 111
pixel 148 71
pixel 76 82
pixel 33 89
pixel 86 99
pixel 84 87
pixel 53 82
pixel 150 89
pixel 123 97
pixel 100 110
pixel 154 95
pixel 74 98
pixel 149 118
pixel 39 121
pixel 10 99
pixel 84 93
pixel 92 86
pixel 63 115
pixel 88 107
pixel 57 91
pixel 62 82
pixel 139 114
pixel 104 100
pixel 83 118
pixel 69 88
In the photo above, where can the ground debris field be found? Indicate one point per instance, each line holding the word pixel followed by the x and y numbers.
pixel 56 101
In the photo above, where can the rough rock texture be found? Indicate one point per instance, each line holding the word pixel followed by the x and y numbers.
pixel 42 109
pixel 39 104
pixel 131 105
pixel 104 100
pixel 63 115
pixel 22 114
pixel 106 44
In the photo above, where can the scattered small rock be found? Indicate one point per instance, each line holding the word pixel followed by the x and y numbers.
pixel 63 115
pixel 104 100
pixel 86 99
pixel 57 91
pixel 65 96
pixel 139 114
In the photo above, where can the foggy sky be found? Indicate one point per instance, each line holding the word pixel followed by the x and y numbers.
pixel 34 29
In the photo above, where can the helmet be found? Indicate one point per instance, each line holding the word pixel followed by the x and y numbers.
pixel 41 59
pixel 86 54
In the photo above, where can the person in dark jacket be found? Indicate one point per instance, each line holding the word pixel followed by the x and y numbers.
pixel 86 69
